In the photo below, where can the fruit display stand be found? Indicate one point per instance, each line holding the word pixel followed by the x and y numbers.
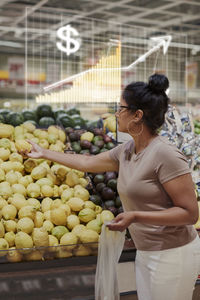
pixel 40 201
pixel 64 278
pixel 69 278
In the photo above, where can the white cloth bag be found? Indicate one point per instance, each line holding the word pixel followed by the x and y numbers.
pixel 109 250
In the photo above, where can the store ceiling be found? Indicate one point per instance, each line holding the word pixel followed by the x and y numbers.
pixel 178 16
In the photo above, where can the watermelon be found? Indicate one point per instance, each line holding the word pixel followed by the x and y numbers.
pixel 78 121
pixel 45 122
pixel 14 118
pixel 59 111
pixel 73 111
pixel 65 120
pixel 44 110
pixel 29 115
pixel 75 116
pixel 2 119
pixel 4 112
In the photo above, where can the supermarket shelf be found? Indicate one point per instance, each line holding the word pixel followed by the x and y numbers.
pixel 59 279
pixel 127 255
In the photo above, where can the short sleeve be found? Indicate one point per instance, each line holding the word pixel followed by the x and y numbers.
pixel 171 163
pixel 122 151
pixel 115 152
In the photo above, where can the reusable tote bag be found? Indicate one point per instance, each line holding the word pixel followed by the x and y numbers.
pixel 109 250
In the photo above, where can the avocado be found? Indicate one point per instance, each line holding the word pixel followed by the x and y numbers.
pixel 69 130
pixel 85 144
pixel 73 136
pixel 100 186
pixel 107 139
pixel 118 202
pixel 112 183
pixel 97 131
pixel 97 138
pixel 110 175
pixel 110 145
pixel 80 131
pixel 94 149
pixel 96 199
pixel 77 142
pixel 109 203
pixel 114 210
pixel 76 147
pixel 103 150
pixel 98 178
pixel 99 144
pixel 107 193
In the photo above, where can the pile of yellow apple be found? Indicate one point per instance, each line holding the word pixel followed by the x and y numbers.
pixel 43 204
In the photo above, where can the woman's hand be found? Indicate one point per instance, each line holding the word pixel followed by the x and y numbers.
pixel 122 221
pixel 36 151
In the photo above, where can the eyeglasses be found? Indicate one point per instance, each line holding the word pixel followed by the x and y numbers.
pixel 120 108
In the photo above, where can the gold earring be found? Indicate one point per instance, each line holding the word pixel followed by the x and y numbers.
pixel 134 134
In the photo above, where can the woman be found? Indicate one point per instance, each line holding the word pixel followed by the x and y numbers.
pixel 157 192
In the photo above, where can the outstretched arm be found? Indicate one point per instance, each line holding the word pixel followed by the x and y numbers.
pixel 94 163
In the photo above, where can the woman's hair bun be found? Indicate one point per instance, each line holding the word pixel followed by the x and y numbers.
pixel 158 83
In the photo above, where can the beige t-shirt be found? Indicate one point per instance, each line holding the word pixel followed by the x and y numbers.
pixel 140 188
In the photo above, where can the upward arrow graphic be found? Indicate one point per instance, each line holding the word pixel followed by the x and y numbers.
pixel 158 43
pixel 164 41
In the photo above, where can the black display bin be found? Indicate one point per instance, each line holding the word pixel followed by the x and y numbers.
pixel 58 279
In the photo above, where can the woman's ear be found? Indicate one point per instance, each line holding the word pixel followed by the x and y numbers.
pixel 138 115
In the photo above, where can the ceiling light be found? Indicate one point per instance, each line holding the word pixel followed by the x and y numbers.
pixel 10 44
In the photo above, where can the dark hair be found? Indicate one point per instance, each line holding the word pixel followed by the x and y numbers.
pixel 150 98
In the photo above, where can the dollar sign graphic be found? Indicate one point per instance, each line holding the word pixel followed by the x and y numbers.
pixel 64 33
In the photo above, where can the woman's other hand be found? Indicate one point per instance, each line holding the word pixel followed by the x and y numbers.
pixel 122 221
